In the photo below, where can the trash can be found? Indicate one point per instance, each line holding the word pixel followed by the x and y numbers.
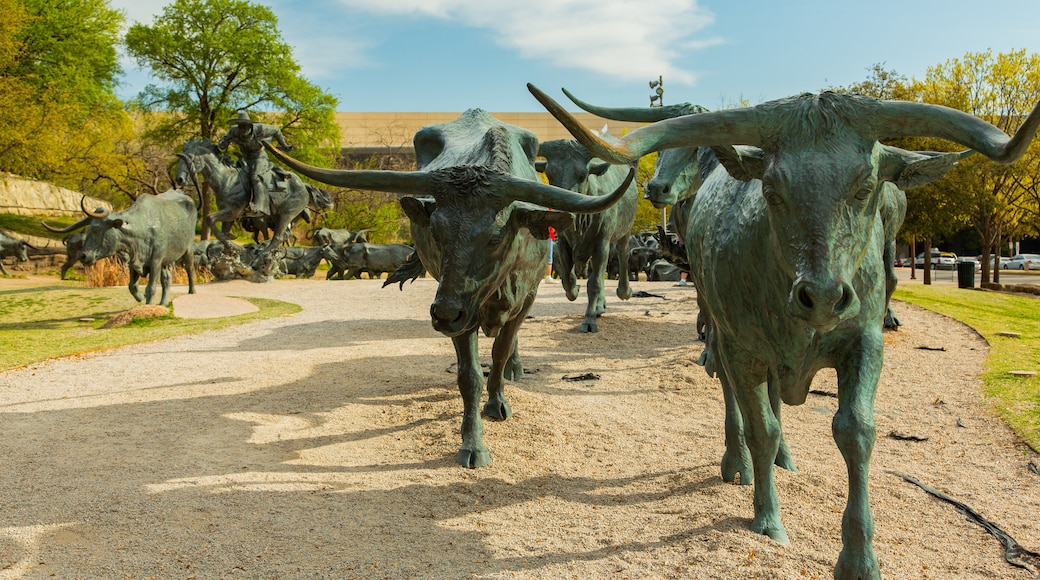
pixel 965 274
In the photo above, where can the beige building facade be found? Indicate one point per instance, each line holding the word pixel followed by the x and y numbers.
pixel 395 130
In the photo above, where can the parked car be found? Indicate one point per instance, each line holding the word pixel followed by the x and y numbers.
pixel 972 259
pixel 1003 262
pixel 1024 262
pixel 940 260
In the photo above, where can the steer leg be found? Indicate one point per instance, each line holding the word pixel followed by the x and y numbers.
pixel 597 273
pixel 189 269
pixel 155 272
pixel 891 279
pixel 3 269
pixel 514 370
pixel 165 279
pixel 502 361
pixel 783 454
pixel 736 461
pixel 65 267
pixel 563 261
pixel 624 288
pixel 763 437
pixel 473 452
pixel 854 432
pixel 135 275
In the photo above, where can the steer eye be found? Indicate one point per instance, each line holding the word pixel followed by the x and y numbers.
pixel 865 191
pixel 772 197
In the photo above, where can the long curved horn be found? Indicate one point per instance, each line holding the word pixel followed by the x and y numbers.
pixel 67 229
pixel 637 114
pixel 419 183
pixel 98 213
pixel 906 119
pixel 399 182
pixel 729 127
pixel 561 199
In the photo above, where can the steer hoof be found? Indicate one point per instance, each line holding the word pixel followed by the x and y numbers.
pixel 738 465
pixel 863 565
pixel 498 409
pixel 771 526
pixel 587 326
pixel 473 458
pixel 783 459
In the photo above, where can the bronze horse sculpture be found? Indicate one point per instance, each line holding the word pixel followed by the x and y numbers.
pixel 804 194
pixel 230 186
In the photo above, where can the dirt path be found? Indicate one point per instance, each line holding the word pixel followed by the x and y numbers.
pixel 322 446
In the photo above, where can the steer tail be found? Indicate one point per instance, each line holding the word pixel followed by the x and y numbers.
pixel 410 270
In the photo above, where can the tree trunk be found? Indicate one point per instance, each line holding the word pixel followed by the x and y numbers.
pixel 928 261
pixel 204 201
pixel 913 257
pixel 996 257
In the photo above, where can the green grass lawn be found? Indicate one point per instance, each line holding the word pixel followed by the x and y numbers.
pixel 1017 399
pixel 44 322
pixel 27 224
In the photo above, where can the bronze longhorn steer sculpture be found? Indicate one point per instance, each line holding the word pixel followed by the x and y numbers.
pixel 679 173
pixel 156 232
pixel 13 247
pixel 481 229
pixel 803 198
pixel 569 165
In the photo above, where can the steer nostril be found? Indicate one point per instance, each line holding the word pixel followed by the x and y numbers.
pixel 805 297
pixel 446 314
pixel 843 302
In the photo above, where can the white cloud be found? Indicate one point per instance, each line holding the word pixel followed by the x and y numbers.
pixel 143 11
pixel 623 39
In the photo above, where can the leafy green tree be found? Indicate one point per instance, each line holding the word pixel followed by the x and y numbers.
pixel 214 57
pixel 647 216
pixel 58 70
pixel 1001 89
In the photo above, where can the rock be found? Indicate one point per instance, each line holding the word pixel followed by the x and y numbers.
pixel 144 311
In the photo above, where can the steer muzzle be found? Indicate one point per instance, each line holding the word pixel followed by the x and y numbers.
pixel 659 192
pixel 449 318
pixel 823 305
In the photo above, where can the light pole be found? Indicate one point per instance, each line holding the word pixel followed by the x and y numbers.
pixel 658 98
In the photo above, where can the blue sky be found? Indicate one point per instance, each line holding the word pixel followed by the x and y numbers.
pixel 452 55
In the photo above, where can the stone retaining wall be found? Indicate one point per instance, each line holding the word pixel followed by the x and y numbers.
pixel 22 196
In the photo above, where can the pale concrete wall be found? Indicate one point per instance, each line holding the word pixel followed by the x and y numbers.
pixel 397 129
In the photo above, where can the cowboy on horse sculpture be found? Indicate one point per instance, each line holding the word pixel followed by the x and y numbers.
pixel 248 136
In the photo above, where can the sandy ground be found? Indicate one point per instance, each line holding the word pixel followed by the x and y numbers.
pixel 322 445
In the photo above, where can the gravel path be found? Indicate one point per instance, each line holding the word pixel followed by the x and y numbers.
pixel 322 445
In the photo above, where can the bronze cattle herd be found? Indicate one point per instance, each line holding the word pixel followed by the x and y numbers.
pixel 801 184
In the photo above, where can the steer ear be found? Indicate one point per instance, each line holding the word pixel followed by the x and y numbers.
pixel 418 210
pixel 910 169
pixel 742 162
pixel 538 221
pixel 117 223
pixel 598 168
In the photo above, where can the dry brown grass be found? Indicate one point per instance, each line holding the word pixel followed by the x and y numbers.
pixel 113 272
